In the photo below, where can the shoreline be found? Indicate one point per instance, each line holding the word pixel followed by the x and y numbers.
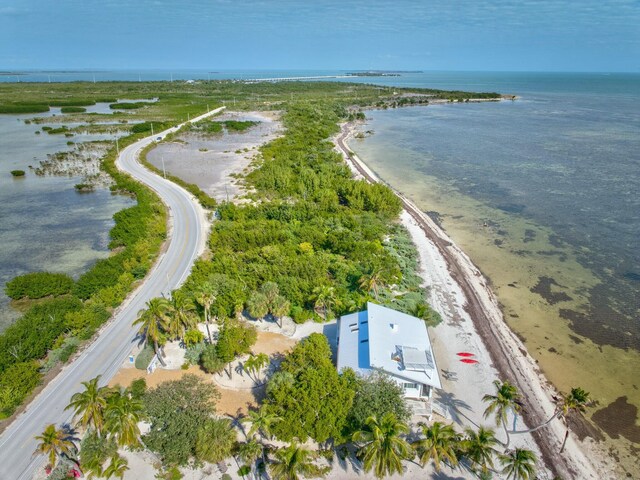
pixel 506 351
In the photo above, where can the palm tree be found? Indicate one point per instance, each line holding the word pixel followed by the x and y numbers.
pixel 257 305
pixel 116 468
pixel 152 321
pixel 205 297
pixel 249 452
pixel 293 463
pixel 122 415
pixel 325 299
pixel 506 398
pixel 576 401
pixel 90 404
pixel 371 281
pixel 54 442
pixel 439 444
pixel 255 363
pixel 261 422
pixel 180 317
pixel 518 464
pixel 479 447
pixel 382 448
pixel 279 308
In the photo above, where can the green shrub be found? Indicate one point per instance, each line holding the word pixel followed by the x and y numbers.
pixel 23 108
pixel 193 353
pixel 127 105
pixel 84 187
pixel 138 388
pixel 73 109
pixel 144 357
pixel 16 382
pixel 105 273
pixel 238 126
pixel 17 173
pixel 32 335
pixel 57 130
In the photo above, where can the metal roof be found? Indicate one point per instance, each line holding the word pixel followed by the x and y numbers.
pixel 388 340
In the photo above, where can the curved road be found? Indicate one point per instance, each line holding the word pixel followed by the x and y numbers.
pixel 186 240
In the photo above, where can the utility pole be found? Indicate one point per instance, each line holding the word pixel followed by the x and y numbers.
pixel 171 77
pixel 117 146
pixel 165 176
pixel 152 129
pixel 188 117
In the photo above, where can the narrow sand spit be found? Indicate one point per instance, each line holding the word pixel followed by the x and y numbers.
pixel 473 322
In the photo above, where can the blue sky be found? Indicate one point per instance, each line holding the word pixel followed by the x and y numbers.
pixel 581 35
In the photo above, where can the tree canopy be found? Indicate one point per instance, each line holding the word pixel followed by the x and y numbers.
pixel 312 399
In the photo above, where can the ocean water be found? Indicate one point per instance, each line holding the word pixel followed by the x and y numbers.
pixel 44 223
pixel 542 193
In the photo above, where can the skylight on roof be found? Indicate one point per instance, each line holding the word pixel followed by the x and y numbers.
pixel 415 359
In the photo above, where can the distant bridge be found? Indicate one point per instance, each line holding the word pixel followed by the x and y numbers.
pixel 288 79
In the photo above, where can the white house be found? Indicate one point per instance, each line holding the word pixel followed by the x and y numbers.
pixel 398 344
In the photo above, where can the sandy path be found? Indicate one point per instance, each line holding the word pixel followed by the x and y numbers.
pixel 474 321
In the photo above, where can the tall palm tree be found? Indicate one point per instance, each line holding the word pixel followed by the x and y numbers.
pixel 261 422
pixel 205 297
pixel 576 401
pixel 479 447
pixel 122 415
pixel 439 444
pixel 279 308
pixel 255 363
pixel 90 404
pixel 116 468
pixel 519 464
pixel 54 442
pixel 506 398
pixel 325 299
pixel 152 321
pixel 381 446
pixel 293 463
pixel 180 314
pixel 249 452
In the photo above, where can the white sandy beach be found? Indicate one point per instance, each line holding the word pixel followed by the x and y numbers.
pixel 459 332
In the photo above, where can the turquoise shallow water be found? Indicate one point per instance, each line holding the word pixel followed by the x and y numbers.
pixel 566 155
pixel 44 223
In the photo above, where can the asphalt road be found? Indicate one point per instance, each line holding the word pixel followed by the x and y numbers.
pixel 185 240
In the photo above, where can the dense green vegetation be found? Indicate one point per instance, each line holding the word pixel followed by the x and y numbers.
pixel 127 105
pixel 23 108
pixel 239 126
pixel 324 240
pixel 39 284
pixel 309 396
pixel 73 110
pixel 71 102
pixel 17 173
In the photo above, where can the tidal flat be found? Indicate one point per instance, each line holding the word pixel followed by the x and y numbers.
pixel 213 160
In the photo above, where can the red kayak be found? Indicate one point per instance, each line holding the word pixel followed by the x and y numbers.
pixel 468 360
pixel 464 354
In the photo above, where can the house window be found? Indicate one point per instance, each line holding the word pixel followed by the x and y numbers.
pixel 410 386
